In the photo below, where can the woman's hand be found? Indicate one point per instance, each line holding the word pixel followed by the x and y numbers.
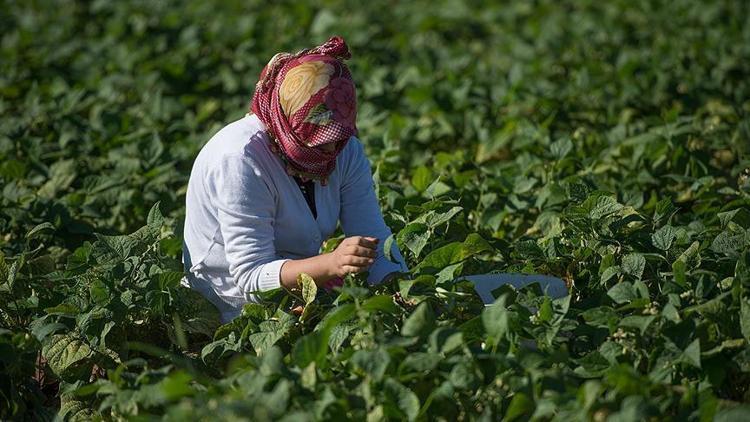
pixel 353 255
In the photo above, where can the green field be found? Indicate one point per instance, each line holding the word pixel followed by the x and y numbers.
pixel 603 142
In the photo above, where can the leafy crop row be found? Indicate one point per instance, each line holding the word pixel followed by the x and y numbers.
pixel 605 143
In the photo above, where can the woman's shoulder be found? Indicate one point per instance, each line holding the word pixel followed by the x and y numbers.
pixel 243 137
pixel 353 150
pixel 352 157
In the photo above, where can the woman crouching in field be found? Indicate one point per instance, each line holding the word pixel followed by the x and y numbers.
pixel 268 189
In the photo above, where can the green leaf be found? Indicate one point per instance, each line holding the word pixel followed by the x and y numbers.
pixel 420 322
pixel 692 354
pixel 41 329
pixel 603 206
pixel 121 247
pixel 407 401
pixel 309 377
pixel 4 274
pixel 76 410
pixel 155 218
pixel 462 375
pixel 524 184
pixel 610 272
pixel 455 252
pixel 726 217
pixel 382 303
pixel 561 148
pixel 414 237
pixel 633 408
pixel 62 173
pixel 664 237
pixel 421 178
pixel 634 264
pixel 170 279
pixel 519 406
pixel 376 414
pixel 436 189
pixel 641 289
pixel 448 273
pixel 67 309
pixel 728 243
pixel 495 320
pixel 671 313
pixel 474 244
pixel 637 321
pixel 738 413
pixel 64 351
pixel 601 317
pixel 419 363
pixel 388 248
pixel 560 307
pixel 337 316
pixel 593 365
pixel 589 392
pixel 311 348
pixel 664 208
pixel 622 292
pixel 11 273
pixel 742 271
pixel 198 315
pixel 691 252
pixel 99 292
pixel 176 385
pixel 443 256
pixel 270 332
pixel 218 348
pixel 679 272
pixel 255 311
pixel 309 288
pixel 46 226
pixel 339 334
pixel 445 340
pixel 545 311
pixel 434 219
pixel 745 318
pixel 372 363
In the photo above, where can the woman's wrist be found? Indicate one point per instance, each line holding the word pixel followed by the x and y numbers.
pixel 318 267
pixel 326 263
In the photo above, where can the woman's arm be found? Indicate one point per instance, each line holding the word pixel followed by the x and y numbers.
pixel 361 216
pixel 246 209
pixel 353 255
pixel 316 267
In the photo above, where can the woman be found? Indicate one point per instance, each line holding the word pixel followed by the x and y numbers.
pixel 266 190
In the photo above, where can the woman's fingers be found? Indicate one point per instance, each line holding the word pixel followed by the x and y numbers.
pixel 366 241
pixel 355 254
pixel 359 261
pixel 352 269
pixel 363 251
pixel 369 242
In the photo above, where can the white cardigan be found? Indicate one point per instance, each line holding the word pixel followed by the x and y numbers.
pixel 245 216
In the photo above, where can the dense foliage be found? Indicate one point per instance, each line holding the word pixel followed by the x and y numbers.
pixel 604 142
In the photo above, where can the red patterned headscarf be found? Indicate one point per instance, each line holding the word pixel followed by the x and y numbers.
pixel 305 100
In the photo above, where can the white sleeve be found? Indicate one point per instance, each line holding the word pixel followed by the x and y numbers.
pixel 360 213
pixel 246 208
